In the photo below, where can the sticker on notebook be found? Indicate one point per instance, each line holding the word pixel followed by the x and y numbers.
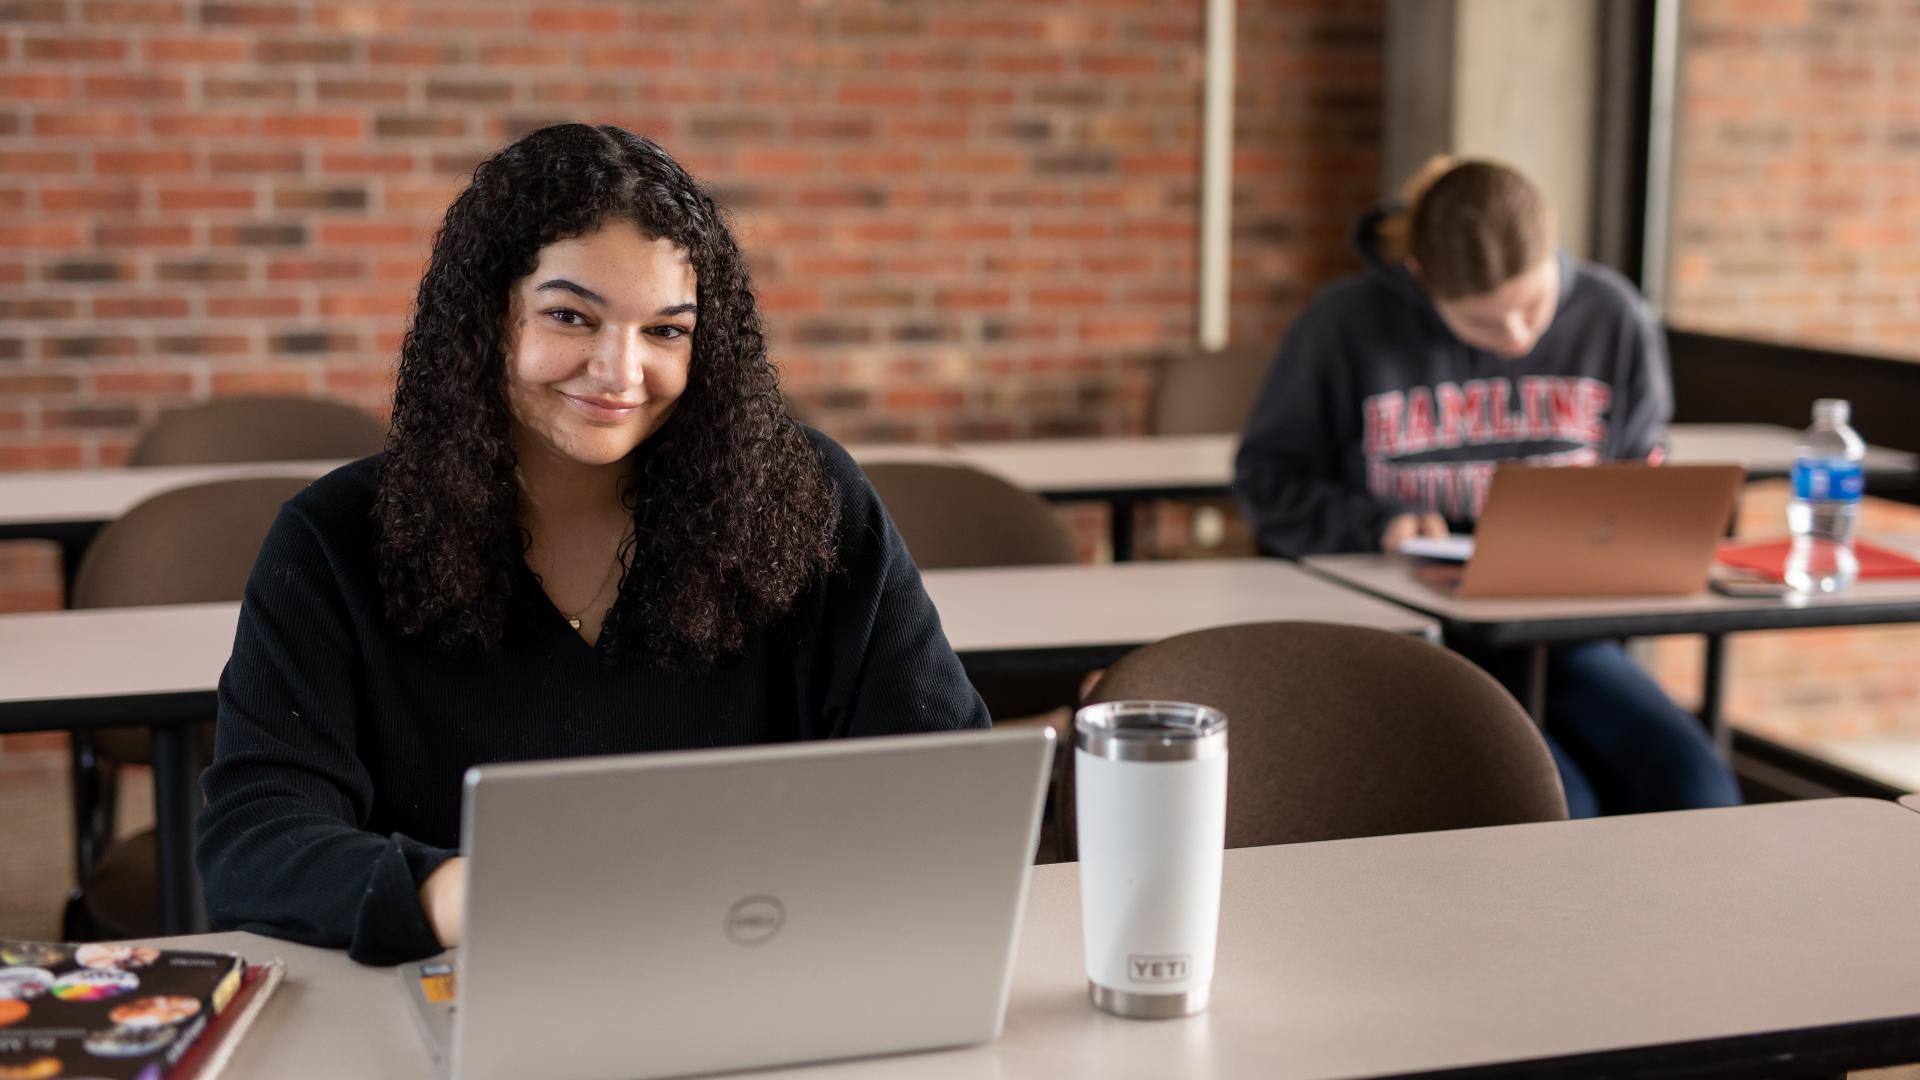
pixel 128 1041
pixel 12 1011
pixel 24 983
pixel 32 954
pixel 154 1011
pixel 45 1068
pixel 116 956
pixel 91 984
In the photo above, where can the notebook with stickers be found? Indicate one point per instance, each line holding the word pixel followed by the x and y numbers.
pixel 696 911
pixel 122 1012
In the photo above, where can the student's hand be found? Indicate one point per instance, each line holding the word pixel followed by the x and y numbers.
pixel 443 896
pixel 1407 526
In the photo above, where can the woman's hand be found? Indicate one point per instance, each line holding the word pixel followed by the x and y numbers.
pixel 443 896
pixel 1407 526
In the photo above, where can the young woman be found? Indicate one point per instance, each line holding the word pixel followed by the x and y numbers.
pixel 594 530
pixel 1473 339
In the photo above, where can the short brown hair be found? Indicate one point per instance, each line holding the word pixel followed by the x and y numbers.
pixel 1472 226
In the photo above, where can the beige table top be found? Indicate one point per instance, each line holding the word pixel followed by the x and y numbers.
pixel 1057 467
pixel 1109 464
pixel 1765 449
pixel 58 496
pixel 1391 577
pixel 1911 802
pixel 1387 955
pixel 57 655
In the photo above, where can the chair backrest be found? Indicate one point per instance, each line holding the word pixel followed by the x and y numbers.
pixel 1344 731
pixel 953 516
pixel 190 545
pixel 1199 393
pixel 259 429
pixel 956 516
pixel 186 546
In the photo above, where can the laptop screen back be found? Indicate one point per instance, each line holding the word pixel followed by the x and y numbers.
pixel 670 913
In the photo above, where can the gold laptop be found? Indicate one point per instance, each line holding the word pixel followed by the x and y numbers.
pixel 1601 530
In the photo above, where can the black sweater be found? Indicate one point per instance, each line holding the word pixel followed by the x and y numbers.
pixel 1373 408
pixel 335 785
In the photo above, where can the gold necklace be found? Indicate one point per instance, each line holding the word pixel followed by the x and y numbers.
pixel 573 620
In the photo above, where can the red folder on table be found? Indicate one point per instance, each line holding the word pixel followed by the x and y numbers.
pixel 1769 559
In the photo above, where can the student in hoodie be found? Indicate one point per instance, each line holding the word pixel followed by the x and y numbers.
pixel 595 530
pixel 1474 339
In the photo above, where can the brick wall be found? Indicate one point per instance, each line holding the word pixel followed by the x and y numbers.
pixel 966 218
pixel 1797 216
pixel 1797 191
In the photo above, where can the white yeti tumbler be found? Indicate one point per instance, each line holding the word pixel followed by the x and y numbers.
pixel 1151 799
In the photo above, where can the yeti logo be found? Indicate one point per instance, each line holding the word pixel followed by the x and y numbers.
pixel 755 920
pixel 1159 969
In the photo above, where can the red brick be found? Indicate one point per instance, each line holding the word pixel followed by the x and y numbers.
pixel 574 20
pixel 352 163
pixel 141 12
pixel 203 49
pixel 269 381
pixel 313 126
pixel 202 125
pixel 144 383
pixel 21 87
pixel 143 88
pixel 39 162
pixel 144 236
pixel 256 161
pixel 394 304
pixel 141 307
pixel 59 200
pixel 361 234
pixel 633 59
pixel 46 455
pixel 206 198
pixel 142 162
pixel 48 237
pixel 76 50
pixel 328 269
pixel 260 307
pixel 249 90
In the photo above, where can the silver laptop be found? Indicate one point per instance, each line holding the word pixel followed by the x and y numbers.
pixel 686 912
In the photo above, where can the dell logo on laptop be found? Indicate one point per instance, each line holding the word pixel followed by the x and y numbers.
pixel 755 920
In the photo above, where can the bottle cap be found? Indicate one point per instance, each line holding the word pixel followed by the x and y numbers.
pixel 1831 410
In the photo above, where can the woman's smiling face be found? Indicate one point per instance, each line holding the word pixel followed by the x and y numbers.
pixel 599 342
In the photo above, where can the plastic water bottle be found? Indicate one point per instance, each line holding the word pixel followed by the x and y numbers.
pixel 1827 484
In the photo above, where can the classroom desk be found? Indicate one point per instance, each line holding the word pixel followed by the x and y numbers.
pixel 1536 623
pixel 1122 472
pixel 1775 939
pixel 1075 618
pixel 69 506
pixel 158 666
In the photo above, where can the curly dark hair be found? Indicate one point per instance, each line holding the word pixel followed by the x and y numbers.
pixel 733 514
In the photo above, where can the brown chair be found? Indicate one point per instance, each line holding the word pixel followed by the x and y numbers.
pixel 954 516
pixel 1344 731
pixel 1201 393
pixel 189 545
pixel 1198 393
pixel 246 429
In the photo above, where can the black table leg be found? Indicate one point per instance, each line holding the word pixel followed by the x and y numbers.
pixel 1122 529
pixel 175 800
pixel 1536 700
pixel 1712 683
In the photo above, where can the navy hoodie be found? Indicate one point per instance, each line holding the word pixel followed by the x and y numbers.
pixel 1373 408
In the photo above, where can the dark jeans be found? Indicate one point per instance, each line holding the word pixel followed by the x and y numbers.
pixel 1622 745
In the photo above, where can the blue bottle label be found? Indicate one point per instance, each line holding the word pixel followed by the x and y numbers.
pixel 1828 480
